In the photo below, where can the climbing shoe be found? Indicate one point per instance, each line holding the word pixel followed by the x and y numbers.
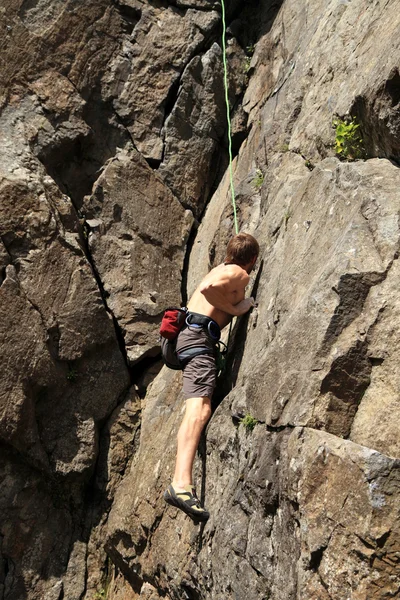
pixel 188 502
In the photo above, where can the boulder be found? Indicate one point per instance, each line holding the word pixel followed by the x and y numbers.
pixel 194 130
pixel 138 234
pixel 161 45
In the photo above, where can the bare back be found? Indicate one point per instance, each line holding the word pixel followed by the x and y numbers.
pixel 220 292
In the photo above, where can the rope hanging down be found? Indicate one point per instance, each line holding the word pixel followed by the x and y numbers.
pixel 222 355
pixel 228 115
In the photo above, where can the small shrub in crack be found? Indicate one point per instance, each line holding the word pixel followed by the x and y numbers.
pixel 310 166
pixel 286 216
pixel 247 60
pixel 246 66
pixel 258 179
pixel 248 422
pixel 72 375
pixel 349 144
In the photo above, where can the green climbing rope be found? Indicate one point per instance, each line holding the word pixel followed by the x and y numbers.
pixel 228 118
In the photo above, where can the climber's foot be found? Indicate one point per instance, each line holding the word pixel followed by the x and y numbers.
pixel 186 501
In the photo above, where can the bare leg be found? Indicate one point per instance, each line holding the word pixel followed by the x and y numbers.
pixel 198 411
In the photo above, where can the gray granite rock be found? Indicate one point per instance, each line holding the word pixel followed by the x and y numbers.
pixel 296 512
pixel 95 99
pixel 142 76
pixel 194 130
pixel 138 235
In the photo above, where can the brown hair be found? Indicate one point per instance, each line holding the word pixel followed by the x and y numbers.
pixel 242 249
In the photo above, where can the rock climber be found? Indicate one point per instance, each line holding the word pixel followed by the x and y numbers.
pixel 219 297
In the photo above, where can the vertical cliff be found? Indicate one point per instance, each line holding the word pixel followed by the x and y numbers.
pixel 114 202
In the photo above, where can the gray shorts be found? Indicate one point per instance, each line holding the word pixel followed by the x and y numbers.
pixel 200 373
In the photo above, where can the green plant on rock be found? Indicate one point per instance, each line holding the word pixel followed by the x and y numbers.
pixel 247 60
pixel 103 590
pixel 246 65
pixel 286 216
pixel 310 166
pixel 349 144
pixel 72 375
pixel 248 422
pixel 258 179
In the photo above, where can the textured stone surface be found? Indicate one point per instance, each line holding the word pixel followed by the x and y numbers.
pixel 138 237
pixel 303 506
pixel 117 448
pixel 48 33
pixel 374 425
pixel 59 389
pixel 302 514
pixel 349 537
pixel 319 60
pixel 196 125
pixel 62 373
pixel 138 508
pixel 318 325
pixel 95 99
pixel 161 44
pixel 36 530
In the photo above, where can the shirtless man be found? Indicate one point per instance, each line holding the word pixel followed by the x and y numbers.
pixel 219 297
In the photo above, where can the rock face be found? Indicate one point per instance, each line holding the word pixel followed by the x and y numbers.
pixel 114 203
pixel 296 511
pixel 137 240
pixel 62 373
pixel 193 130
pixel 161 44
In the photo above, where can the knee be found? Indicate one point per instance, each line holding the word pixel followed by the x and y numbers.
pixel 200 412
pixel 206 412
pixel 200 417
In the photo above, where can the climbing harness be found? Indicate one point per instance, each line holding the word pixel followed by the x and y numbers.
pixel 208 324
pixel 177 360
pixel 173 321
pixel 214 332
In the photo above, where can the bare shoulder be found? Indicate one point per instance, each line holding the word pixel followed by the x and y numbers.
pixel 230 275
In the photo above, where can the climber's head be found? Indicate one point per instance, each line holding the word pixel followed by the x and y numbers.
pixel 242 250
